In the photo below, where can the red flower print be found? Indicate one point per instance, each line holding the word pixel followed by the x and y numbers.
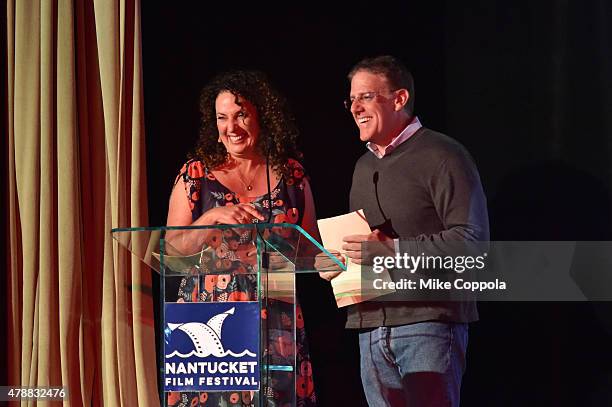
pixel 290 181
pixel 195 196
pixel 278 202
pixel 280 218
pixel 173 397
pixel 292 215
pixel 229 197
pixel 304 386
pixel 234 398
pixel 264 314
pixel 223 281
pixel 246 397
pixel 238 296
pixel 195 401
pixel 283 232
pixel 221 252
pixel 299 319
pixel 195 170
pixel 209 283
pixel 203 398
pixel 298 173
pixel 305 368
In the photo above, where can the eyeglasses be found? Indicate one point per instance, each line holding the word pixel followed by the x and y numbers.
pixel 365 98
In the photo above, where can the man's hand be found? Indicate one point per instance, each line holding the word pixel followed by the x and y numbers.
pixel 279 262
pixel 382 245
pixel 327 268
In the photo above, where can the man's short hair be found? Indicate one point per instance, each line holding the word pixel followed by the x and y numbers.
pixel 398 76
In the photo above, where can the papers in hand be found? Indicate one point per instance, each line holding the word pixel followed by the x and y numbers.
pixel 349 287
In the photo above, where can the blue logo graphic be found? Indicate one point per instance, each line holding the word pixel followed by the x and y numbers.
pixel 211 346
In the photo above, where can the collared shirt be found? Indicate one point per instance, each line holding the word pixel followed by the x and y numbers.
pixel 412 128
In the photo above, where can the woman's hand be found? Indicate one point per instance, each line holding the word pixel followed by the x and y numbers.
pixel 231 215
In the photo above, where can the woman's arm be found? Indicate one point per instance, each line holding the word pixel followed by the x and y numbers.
pixel 185 242
pixel 179 212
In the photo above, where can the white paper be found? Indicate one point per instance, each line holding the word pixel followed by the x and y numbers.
pixel 347 285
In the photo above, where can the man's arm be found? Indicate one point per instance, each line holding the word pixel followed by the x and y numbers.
pixel 459 199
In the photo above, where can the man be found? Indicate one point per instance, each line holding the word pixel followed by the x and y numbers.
pixel 416 185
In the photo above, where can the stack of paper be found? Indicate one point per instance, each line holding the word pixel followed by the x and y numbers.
pixel 349 285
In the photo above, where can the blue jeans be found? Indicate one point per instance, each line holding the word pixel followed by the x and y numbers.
pixel 413 365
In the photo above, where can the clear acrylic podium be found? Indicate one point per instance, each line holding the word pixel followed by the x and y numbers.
pixel 228 310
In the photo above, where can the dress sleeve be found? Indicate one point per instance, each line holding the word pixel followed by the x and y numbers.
pixel 191 175
pixel 296 182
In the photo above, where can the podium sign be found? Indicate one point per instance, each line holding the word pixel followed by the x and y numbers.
pixel 227 323
pixel 206 348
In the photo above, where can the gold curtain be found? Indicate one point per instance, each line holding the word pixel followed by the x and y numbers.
pixel 80 309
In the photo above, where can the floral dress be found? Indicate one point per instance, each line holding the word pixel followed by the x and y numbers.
pixel 287 201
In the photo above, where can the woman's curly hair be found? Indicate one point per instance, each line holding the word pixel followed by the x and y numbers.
pixel 277 125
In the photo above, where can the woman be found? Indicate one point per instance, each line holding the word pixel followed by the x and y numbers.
pixel 243 120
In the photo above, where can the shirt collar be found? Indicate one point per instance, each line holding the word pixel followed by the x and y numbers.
pixel 412 128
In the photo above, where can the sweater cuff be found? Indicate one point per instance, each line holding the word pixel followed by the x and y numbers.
pixel 410 247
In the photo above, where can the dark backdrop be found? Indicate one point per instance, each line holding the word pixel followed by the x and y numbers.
pixel 525 86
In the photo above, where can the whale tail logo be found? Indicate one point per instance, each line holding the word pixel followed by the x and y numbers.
pixel 206 337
